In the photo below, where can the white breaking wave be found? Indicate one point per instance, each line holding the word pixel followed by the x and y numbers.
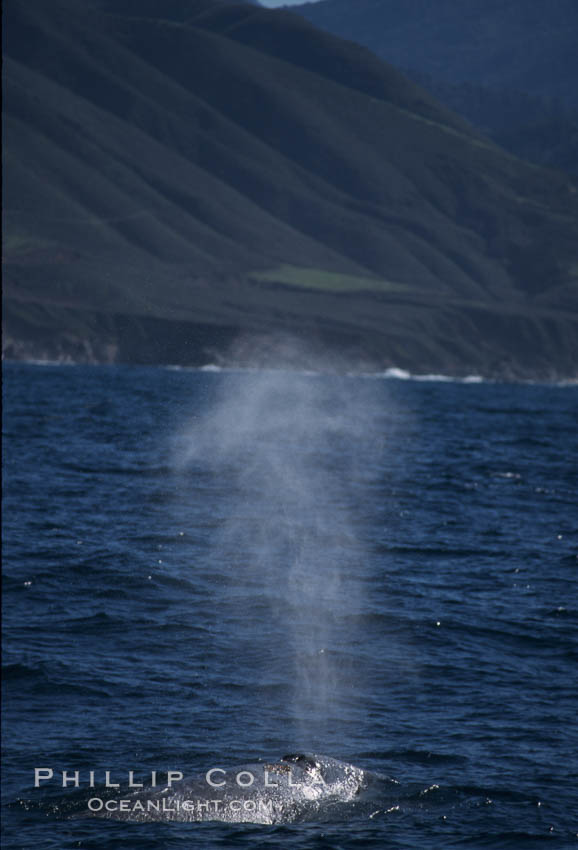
pixel 392 372
pixel 403 375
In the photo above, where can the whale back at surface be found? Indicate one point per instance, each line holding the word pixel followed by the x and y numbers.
pixel 297 788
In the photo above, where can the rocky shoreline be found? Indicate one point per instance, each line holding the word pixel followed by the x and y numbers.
pixel 159 343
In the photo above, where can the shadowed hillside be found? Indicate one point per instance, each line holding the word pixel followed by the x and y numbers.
pixel 511 68
pixel 513 45
pixel 178 173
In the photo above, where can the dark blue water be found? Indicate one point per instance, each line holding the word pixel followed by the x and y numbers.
pixel 204 569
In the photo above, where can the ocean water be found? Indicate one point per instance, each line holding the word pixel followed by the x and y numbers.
pixel 204 569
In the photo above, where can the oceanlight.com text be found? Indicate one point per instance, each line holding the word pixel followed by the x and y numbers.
pixel 190 807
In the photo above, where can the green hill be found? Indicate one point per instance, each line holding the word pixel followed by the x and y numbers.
pixel 179 173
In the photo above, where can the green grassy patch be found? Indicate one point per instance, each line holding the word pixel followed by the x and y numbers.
pixel 311 278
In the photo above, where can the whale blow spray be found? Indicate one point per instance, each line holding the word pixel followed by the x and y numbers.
pixel 291 454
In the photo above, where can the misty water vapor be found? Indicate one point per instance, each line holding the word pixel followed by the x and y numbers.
pixel 290 454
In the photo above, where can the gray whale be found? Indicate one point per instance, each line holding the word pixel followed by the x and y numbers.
pixel 296 788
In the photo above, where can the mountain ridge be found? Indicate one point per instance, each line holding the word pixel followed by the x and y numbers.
pixel 160 172
pixel 515 45
pixel 509 68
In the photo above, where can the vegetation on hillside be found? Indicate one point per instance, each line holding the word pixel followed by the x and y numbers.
pixel 180 172
pixel 509 68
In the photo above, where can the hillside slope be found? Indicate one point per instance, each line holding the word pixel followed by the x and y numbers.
pixel 512 45
pixel 177 173
pixel 511 68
